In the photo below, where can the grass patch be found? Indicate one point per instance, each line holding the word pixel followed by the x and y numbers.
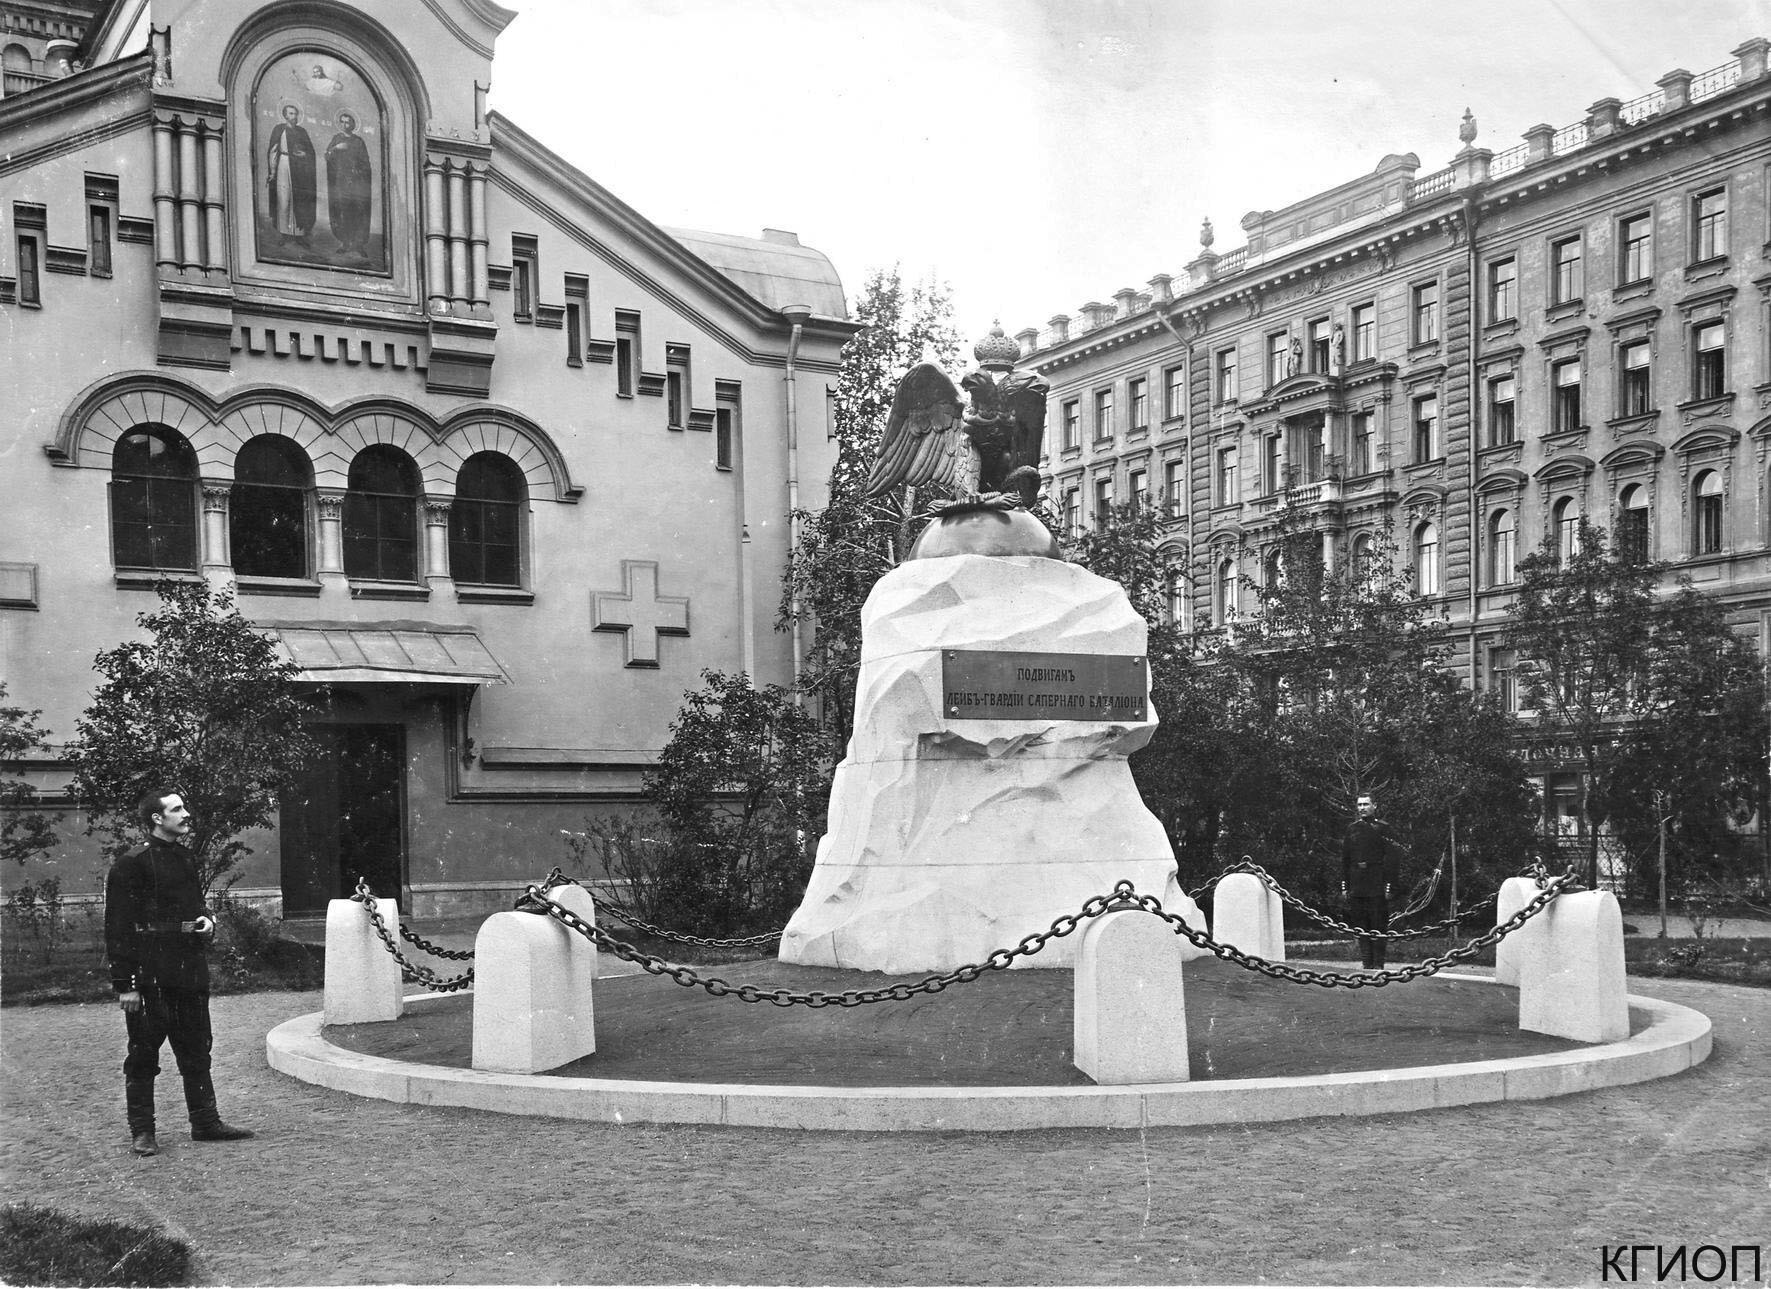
pixel 43 1246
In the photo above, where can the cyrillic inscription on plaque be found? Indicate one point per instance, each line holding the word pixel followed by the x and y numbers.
pixel 994 685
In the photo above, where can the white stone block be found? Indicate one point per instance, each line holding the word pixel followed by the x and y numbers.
pixel 1130 1021
pixel 1571 974
pixel 950 837
pixel 1248 914
pixel 362 981
pixel 1515 894
pixel 533 983
pixel 1178 902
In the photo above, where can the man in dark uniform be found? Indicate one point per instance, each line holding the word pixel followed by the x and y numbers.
pixel 1368 870
pixel 157 936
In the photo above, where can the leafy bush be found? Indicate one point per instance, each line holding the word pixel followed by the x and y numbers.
pixel 37 907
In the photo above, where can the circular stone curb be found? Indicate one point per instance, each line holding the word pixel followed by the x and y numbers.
pixel 1674 1039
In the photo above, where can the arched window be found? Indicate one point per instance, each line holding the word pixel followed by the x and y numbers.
pixel 1273 570
pixel 1632 525
pixel 154 501
pixel 1426 560
pixel 1706 513
pixel 1565 521
pixel 485 522
pixel 1225 606
pixel 381 516
pixel 1503 561
pixel 268 507
pixel 1364 555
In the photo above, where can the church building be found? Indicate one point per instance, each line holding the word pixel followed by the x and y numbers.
pixel 503 465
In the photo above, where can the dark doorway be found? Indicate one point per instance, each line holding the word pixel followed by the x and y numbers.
pixel 344 818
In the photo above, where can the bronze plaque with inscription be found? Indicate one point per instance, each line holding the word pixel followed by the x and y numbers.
pixel 994 685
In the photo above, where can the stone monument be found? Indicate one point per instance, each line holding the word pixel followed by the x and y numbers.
pixel 986 789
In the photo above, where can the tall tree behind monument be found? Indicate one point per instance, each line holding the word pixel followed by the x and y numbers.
pixel 848 545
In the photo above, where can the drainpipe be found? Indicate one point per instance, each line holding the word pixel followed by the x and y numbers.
pixel 1473 545
pixel 797 314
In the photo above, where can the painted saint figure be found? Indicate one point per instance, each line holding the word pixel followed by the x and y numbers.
pixel 347 187
pixel 290 170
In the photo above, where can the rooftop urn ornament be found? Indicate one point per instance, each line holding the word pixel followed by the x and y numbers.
pixel 1206 235
pixel 1467 131
pixel 988 453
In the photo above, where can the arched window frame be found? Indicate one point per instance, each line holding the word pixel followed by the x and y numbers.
pixel 1565 515
pixel 1503 547
pixel 486 535
pixel 1707 513
pixel 271 522
pixel 382 541
pixel 1634 540
pixel 155 514
pixel 1426 558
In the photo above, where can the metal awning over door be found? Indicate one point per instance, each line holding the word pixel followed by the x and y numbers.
pixel 341 653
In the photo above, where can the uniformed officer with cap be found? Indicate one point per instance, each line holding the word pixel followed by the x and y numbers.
pixel 1368 871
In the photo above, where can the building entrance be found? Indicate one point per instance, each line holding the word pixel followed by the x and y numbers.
pixel 344 818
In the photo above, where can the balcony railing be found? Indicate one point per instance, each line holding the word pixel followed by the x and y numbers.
pixel 1510 160
pixel 1716 81
pixel 18 82
pixel 1431 185
pixel 1233 261
pixel 1640 109
pixel 1569 138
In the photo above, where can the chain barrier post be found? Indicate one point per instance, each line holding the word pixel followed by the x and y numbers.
pixel 533 1003
pixel 362 981
pixel 1130 1013
pixel 1515 893
pixel 1248 914
pixel 1571 973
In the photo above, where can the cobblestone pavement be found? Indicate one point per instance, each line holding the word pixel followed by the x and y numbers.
pixel 339 1190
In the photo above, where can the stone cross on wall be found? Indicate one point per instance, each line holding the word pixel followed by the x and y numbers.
pixel 639 612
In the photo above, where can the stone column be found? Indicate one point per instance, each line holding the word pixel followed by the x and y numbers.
pixel 215 250
pixel 331 508
pixel 215 526
pixel 165 210
pixel 190 202
pixel 436 539
pixel 480 293
pixel 458 283
pixel 1676 87
pixel 436 251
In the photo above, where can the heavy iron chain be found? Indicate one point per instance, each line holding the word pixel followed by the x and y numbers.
pixel 617 910
pixel 1124 896
pixel 534 900
pixel 454 955
pixel 409 970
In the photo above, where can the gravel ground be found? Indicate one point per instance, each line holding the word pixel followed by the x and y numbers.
pixel 338 1190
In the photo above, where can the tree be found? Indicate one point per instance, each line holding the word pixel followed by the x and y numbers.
pixel 1583 629
pixel 741 789
pixel 25 832
pixel 205 707
pixel 851 543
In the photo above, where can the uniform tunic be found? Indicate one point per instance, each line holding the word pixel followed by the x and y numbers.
pixel 148 894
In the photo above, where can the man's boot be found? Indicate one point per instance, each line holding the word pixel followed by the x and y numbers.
pixel 206 1124
pixel 138 1102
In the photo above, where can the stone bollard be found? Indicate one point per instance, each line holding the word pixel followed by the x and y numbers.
pixel 1571 974
pixel 533 980
pixel 1178 902
pixel 1248 914
pixel 1515 894
pixel 1130 1019
pixel 362 980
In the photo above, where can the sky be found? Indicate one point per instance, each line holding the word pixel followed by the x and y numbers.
pixel 1035 155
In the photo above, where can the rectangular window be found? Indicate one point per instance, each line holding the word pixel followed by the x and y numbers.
pixel 1172 496
pixel 1140 405
pixel 1226 375
pixel 1321 346
pixel 1073 423
pixel 1140 488
pixel 1501 665
pixel 1709 225
pixel 1426 428
pixel 523 257
pixel 727 394
pixel 98 240
pixel 1278 350
pixel 30 272
pixel 1103 502
pixel 1502 422
pixel 676 385
pixel 1708 361
pixel 1228 494
pixel 1364 425
pixel 627 351
pixel 1636 390
pixel 577 310
pixel 1426 314
pixel 1503 290
pixel 1072 509
pixel 1103 414
pixel 1270 480
pixel 1566 282
pixel 1635 249
pixel 1364 332
pixel 1174 382
pixel 1565 396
